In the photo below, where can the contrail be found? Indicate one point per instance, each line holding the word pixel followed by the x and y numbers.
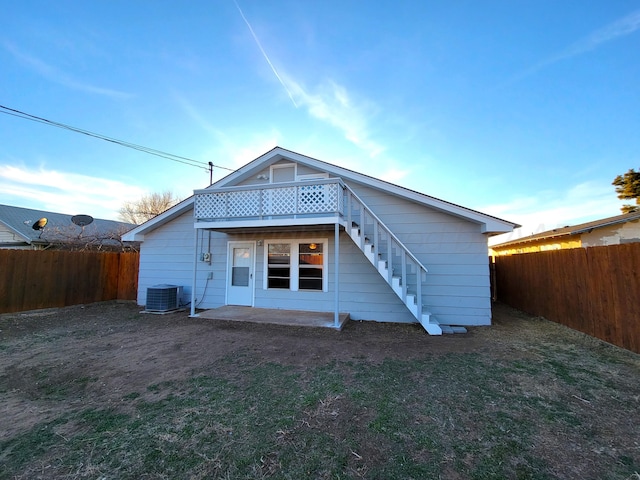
pixel 264 54
pixel 621 27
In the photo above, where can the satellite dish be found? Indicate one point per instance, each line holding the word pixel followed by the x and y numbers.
pixel 39 225
pixel 82 220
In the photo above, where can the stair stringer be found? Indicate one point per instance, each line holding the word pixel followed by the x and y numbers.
pixel 397 282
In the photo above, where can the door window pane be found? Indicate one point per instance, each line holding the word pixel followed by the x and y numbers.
pixel 241 267
pixel 240 276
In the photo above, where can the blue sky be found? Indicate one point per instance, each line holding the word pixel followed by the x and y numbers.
pixel 525 110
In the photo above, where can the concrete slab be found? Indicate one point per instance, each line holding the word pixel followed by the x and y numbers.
pixel 296 318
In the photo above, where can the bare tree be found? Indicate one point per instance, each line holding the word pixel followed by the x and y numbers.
pixel 147 207
pixel 69 237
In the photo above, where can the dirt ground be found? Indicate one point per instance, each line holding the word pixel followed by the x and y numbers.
pixel 118 350
pixel 122 351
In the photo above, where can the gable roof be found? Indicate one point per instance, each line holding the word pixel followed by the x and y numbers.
pixel 59 225
pixel 489 224
pixel 572 230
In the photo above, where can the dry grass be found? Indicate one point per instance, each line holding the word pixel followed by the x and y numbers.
pixel 117 396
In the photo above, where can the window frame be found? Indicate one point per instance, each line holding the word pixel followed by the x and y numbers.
pixel 294 263
pixel 277 166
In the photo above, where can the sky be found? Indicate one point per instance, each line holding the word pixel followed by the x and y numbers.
pixel 522 109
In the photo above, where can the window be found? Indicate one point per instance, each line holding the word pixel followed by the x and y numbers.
pixel 279 265
pixel 310 264
pixel 284 172
pixel 296 265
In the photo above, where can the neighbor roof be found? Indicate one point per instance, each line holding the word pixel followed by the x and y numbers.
pixel 572 230
pixel 21 220
pixel 489 223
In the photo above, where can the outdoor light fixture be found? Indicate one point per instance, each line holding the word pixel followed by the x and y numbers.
pixel 312 246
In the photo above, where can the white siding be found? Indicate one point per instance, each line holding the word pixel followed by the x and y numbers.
pixel 457 290
pixel 454 251
pixel 363 292
pixel 167 255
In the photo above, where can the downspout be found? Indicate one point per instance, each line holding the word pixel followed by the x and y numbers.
pixel 195 266
pixel 336 260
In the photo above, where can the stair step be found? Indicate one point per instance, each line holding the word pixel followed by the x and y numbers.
pixel 431 326
pixel 382 265
pixel 376 257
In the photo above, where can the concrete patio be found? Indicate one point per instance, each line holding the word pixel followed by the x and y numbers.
pixel 295 318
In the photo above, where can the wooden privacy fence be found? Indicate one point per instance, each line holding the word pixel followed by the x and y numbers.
pixel 594 290
pixel 43 279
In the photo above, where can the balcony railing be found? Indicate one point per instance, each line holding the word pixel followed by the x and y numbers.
pixel 315 199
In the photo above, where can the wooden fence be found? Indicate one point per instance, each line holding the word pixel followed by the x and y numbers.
pixel 43 279
pixel 594 290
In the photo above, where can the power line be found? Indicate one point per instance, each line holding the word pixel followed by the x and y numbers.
pixel 159 153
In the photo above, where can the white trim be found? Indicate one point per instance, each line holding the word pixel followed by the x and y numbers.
pixel 489 224
pixel 228 273
pixel 281 222
pixel 283 165
pixel 294 263
pixel 194 278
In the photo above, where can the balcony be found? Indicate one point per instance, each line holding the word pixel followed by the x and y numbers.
pixel 279 204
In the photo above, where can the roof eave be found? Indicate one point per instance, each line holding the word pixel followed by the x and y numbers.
pixel 489 224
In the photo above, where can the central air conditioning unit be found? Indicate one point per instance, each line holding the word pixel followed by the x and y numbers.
pixel 163 298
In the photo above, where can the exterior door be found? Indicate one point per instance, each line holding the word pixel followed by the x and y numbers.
pixel 240 277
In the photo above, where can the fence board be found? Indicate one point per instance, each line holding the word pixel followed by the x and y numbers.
pixel 31 280
pixel 128 277
pixel 593 290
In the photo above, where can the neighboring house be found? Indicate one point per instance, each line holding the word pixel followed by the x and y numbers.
pixel 606 231
pixel 287 231
pixel 56 230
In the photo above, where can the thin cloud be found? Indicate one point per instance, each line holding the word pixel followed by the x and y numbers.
pixel 56 75
pixel 264 54
pixel 620 28
pixel 65 192
pixel 192 112
pixel 551 209
pixel 333 105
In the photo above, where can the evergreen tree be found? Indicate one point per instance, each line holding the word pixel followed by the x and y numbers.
pixel 627 188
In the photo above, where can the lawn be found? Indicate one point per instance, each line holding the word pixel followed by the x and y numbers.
pixel 104 392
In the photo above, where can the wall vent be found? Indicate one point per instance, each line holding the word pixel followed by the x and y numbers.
pixel 163 298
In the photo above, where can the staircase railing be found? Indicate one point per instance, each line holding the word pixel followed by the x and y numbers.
pixel 390 255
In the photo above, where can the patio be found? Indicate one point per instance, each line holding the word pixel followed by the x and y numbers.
pixel 294 318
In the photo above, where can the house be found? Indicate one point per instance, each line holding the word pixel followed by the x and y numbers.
pixel 29 229
pixel 606 231
pixel 287 231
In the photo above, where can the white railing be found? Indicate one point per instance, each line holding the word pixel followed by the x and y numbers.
pixel 394 261
pixel 315 198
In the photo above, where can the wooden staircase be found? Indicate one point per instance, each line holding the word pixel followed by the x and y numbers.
pixel 391 258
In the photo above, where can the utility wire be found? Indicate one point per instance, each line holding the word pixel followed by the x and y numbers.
pixel 169 156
